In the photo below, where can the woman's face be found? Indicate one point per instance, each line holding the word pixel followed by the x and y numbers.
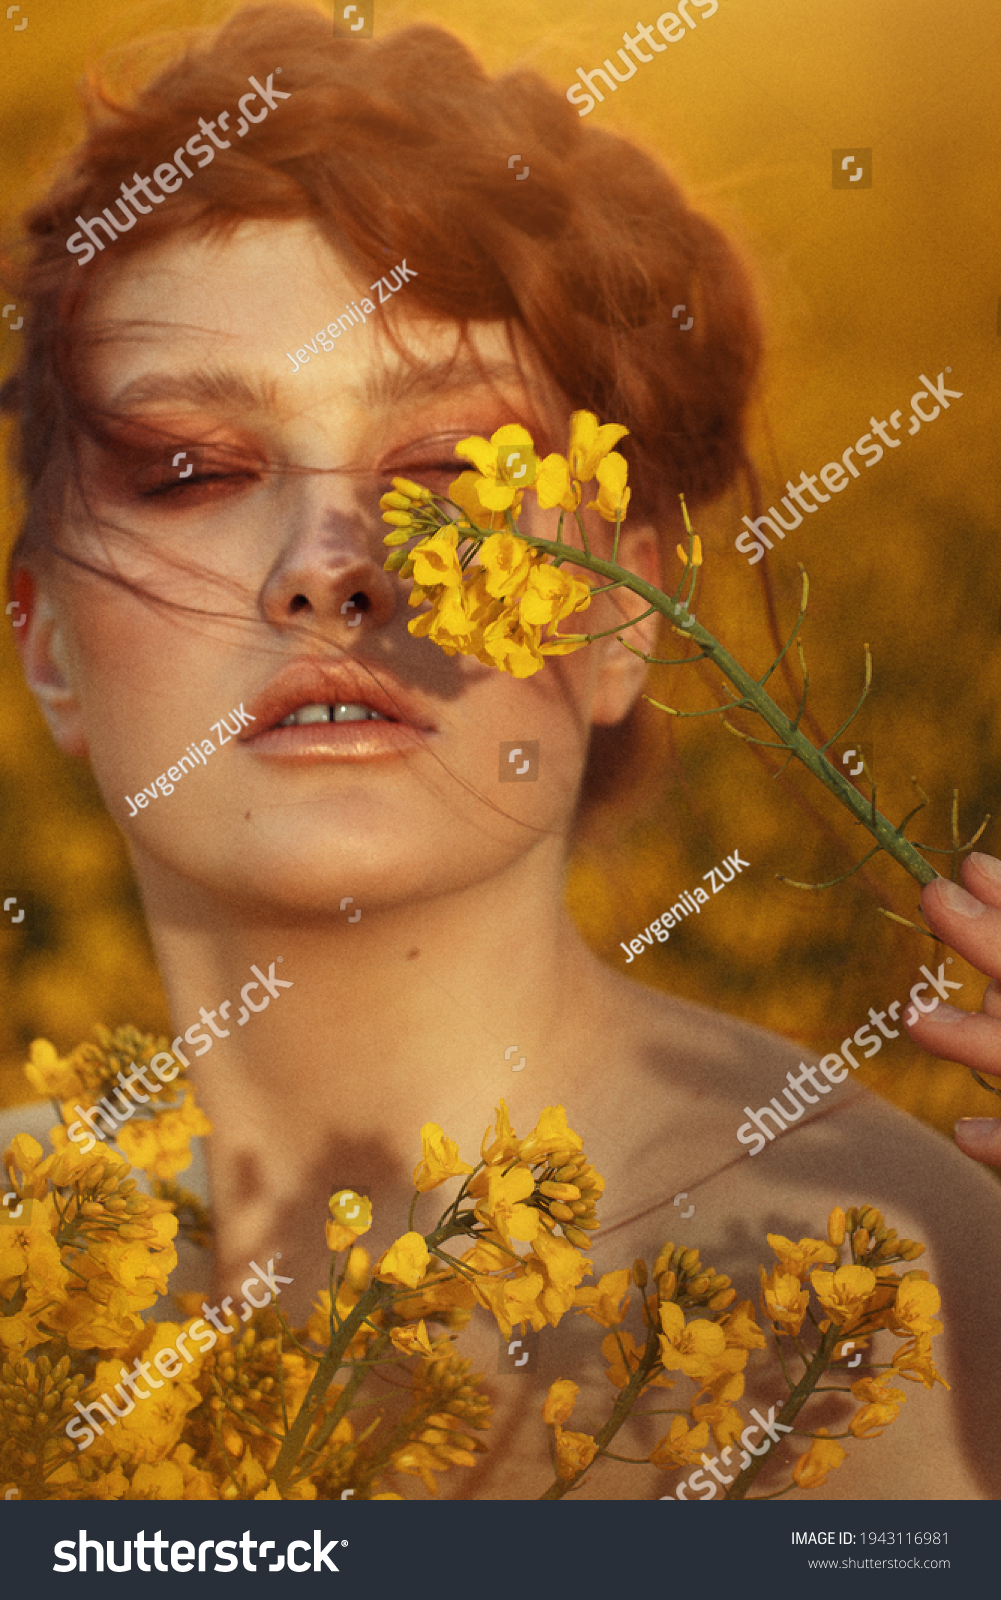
pixel 256 565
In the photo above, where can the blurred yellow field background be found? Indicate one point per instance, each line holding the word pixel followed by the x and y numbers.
pixel 861 292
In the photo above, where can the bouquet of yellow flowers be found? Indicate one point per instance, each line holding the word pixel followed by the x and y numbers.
pixel 261 1410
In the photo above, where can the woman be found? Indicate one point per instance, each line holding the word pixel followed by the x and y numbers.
pixel 203 543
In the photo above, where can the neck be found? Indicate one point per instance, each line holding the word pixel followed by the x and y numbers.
pixel 405 1016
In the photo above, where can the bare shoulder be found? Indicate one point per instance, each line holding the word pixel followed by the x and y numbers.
pixel 690 1171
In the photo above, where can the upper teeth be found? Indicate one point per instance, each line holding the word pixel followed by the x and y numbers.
pixel 338 713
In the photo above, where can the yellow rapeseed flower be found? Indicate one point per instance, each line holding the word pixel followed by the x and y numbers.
pixel 913 1361
pixel 591 444
pixel 436 561
pixel 740 1328
pixel 623 1355
pixel 784 1300
pixel 351 1216
pixel 915 1306
pixel 681 1446
pixel 562 1267
pixel 161 1145
pixel 881 1403
pixel 550 594
pixel 554 485
pixel 550 1137
pixel 843 1294
pixel 412 1340
pixel 608 1303
pixel 613 496
pixel 48 1073
pixel 501 1208
pixel 439 1159
pixel 800 1258
pixel 505 1143
pixel 507 562
pixel 574 1452
pixel 823 1456
pixel 697 1348
pixel 465 491
pixel 560 1401
pixel 506 464
pixel 405 1262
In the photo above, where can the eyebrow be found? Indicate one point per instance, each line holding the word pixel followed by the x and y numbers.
pixel 224 386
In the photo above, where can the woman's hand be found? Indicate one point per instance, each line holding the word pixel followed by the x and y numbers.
pixel 969 920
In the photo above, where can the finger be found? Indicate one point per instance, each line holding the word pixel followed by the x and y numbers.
pixel 982 876
pixel 969 1037
pixel 964 921
pixel 980 1137
pixel 991 1002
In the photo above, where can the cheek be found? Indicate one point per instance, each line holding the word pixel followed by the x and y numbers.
pixel 145 683
pixel 525 740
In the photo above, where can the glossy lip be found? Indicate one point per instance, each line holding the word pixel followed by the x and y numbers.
pixel 314 682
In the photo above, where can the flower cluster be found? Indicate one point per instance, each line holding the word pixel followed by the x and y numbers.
pixel 490 592
pixel 261 1410
pixel 265 1411
pixel 91 1077
pixel 693 1329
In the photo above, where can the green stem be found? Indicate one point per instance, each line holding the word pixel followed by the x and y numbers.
pixel 793 1406
pixel 754 697
pixel 620 1413
pixel 375 1297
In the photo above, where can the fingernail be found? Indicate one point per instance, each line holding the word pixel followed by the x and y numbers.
pixel 949 1014
pixel 957 899
pixel 978 1132
pixel 990 866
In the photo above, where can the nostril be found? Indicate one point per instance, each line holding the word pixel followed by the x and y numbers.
pixel 360 601
pixel 298 603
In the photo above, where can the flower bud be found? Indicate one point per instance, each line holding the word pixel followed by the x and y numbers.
pixel 836 1227
pixel 860 1241
pixel 575 1236
pixel 640 1273
pixel 559 1191
pixel 663 1260
pixel 667 1285
pixel 414 491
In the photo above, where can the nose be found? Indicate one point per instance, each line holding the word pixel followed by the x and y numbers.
pixel 329 570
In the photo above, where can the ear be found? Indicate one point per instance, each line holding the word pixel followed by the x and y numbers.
pixel 621 674
pixel 45 661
